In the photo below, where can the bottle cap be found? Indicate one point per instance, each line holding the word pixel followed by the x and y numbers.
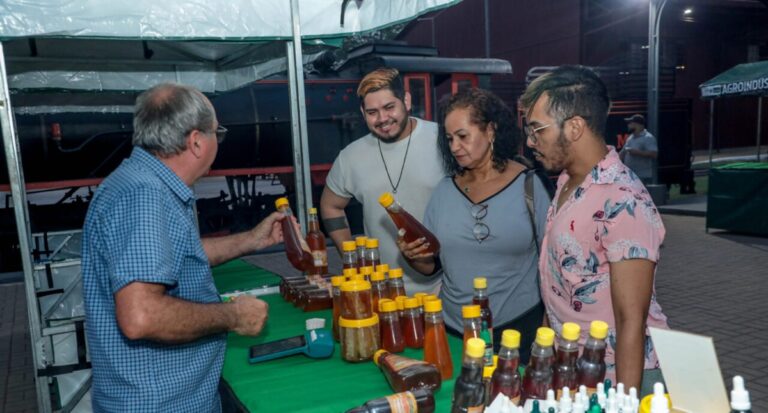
pixel 382 268
pixel 386 306
pixel 377 276
pixel 313 211
pixel 571 331
pixel 433 306
pixel 475 347
pixel 367 270
pixel 352 286
pixel 396 273
pixel 470 311
pixel 545 336
pixel 598 329
pixel 348 272
pixel 386 199
pixel 365 322
pixel 659 401
pixel 348 246
pixel 420 297
pixel 281 202
pixel 357 277
pixel 372 243
pixel 378 354
pixel 360 241
pixel 337 280
pixel 429 297
pixel 739 395
pixel 411 303
pixel 510 338
pixel 400 300
pixel 480 282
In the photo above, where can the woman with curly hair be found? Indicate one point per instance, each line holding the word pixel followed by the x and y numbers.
pixel 480 216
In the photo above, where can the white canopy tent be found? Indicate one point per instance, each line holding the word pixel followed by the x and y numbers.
pixel 215 45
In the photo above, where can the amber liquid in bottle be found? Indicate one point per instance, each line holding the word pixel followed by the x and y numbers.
pixel 316 242
pixel 391 333
pixel 296 248
pixel 590 367
pixel 436 350
pixel 481 299
pixel 565 365
pixel 538 374
pixel 413 328
pixel 506 378
pixel 420 401
pixel 405 373
pixel 412 227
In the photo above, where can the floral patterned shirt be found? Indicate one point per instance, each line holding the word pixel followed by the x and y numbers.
pixel 610 217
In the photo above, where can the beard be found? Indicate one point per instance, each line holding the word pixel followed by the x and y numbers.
pixel 558 159
pixel 393 136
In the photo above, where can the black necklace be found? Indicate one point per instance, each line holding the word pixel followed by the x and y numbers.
pixel 402 168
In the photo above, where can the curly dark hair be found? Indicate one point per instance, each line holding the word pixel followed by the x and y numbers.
pixel 485 109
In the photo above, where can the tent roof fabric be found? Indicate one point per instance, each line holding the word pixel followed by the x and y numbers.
pixel 747 79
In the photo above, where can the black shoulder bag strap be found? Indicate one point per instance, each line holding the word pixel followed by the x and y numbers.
pixel 529 174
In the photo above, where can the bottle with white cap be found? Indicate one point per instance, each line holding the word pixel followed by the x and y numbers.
pixel 566 404
pixel 659 401
pixel 740 397
pixel 550 401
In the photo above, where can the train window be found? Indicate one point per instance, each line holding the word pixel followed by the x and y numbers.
pixel 461 81
pixel 418 85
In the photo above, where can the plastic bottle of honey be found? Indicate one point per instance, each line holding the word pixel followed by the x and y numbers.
pixel 336 282
pixel 348 255
pixel 506 378
pixel 436 350
pixel 472 323
pixel 468 392
pixel 421 401
pixel 538 374
pixel 405 373
pixel 480 297
pixel 379 289
pixel 413 324
pixel 590 367
pixel 487 376
pixel 316 242
pixel 296 248
pixel 391 332
pixel 395 282
pixel 408 227
pixel 382 268
pixel 567 356
pixel 371 255
pixel 360 245
pixel 366 272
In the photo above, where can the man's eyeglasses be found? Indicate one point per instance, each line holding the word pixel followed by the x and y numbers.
pixel 531 132
pixel 221 133
pixel 481 231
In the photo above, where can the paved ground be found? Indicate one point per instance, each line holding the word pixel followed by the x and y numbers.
pixel 711 284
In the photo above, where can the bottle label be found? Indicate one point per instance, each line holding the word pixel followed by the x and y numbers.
pixel 320 258
pixel 403 403
pixel 397 363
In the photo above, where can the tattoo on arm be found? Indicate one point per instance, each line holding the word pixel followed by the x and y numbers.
pixel 335 224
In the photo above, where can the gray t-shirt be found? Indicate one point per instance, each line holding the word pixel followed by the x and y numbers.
pixel 642 166
pixel 507 258
pixel 358 172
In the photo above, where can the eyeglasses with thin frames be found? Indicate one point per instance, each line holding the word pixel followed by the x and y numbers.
pixel 480 230
pixel 531 132
pixel 221 133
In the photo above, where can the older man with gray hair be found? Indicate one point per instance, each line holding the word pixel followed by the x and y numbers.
pixel 156 324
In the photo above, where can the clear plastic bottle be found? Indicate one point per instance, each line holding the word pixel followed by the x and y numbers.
pixel 487 375
pixel 468 392
pixel 408 227
pixel 379 289
pixel 436 350
pixel 472 323
pixel 567 356
pixel 391 332
pixel 506 378
pixel 538 374
pixel 336 282
pixel 296 248
pixel 404 373
pixel 349 255
pixel 421 401
pixel 395 282
pixel 480 297
pixel 413 324
pixel 371 255
pixel 590 367
pixel 360 245
pixel 316 242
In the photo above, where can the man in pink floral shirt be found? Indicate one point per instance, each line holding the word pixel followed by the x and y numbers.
pixel 599 254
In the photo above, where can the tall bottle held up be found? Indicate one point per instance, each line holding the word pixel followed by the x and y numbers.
pixel 296 248
pixel 408 227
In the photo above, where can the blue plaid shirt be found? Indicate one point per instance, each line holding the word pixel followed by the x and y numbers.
pixel 141 227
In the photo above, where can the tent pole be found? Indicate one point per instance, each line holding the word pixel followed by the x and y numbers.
pixel 299 120
pixel 20 211
pixel 711 129
pixel 759 123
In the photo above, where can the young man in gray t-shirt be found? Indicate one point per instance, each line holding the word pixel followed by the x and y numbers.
pixel 640 150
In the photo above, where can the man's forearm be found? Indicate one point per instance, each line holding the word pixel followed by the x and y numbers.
pixel 222 249
pixel 339 236
pixel 630 355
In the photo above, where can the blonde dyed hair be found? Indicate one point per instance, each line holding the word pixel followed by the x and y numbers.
pixel 380 79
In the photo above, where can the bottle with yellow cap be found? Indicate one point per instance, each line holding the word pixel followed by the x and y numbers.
pixel 382 268
pixel 506 378
pixel 379 289
pixel 390 329
pixel 420 298
pixel 538 374
pixel 436 350
pixel 296 248
pixel 349 273
pixel 366 272
pixel 472 323
pixel 404 373
pixel 348 255
pixel 395 283
pixel 480 297
pixel 336 282
pixel 316 242
pixel 468 392
pixel 371 255
pixel 487 376
pixel 360 245
pixel 356 300
pixel 590 367
pixel 409 228
pixel 413 324
pixel 567 355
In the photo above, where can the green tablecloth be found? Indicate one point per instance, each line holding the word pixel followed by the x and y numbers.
pixel 745 165
pixel 298 384
pixel 738 198
pixel 240 275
